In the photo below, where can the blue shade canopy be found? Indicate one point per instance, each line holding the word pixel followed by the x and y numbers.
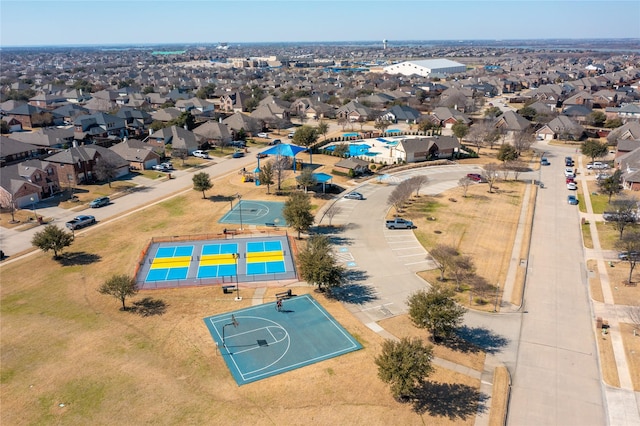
pixel 285 149
pixel 322 177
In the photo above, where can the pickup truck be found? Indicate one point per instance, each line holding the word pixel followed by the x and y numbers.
pixel 399 223
pixel 80 222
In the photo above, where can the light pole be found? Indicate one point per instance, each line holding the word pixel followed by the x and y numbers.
pixel 240 208
pixel 495 305
pixel 235 258
pixel 33 207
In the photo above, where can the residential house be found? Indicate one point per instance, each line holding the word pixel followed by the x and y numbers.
pixel 355 111
pixel 629 164
pixel 313 108
pixel 213 133
pixel 447 117
pixel 234 102
pixel 27 115
pixel 415 149
pixel 401 113
pixel 166 114
pixel 355 166
pixel 13 124
pixel 629 130
pixel 561 127
pixel 70 112
pixel 15 190
pixel 627 145
pixel 48 138
pixel 177 137
pixel 579 113
pixel 13 151
pixel 511 122
pixel 136 120
pixel 196 106
pixel 140 155
pixel 75 165
pixel 239 121
pixel 626 112
pixel 99 125
pixel 48 100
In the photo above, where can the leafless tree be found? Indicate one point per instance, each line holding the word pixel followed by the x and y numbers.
pixel 342 122
pixel 415 183
pixel 490 174
pixel 333 211
pixel 505 170
pixel 464 182
pixel 477 135
pixel 443 254
pixel 517 167
pixel 399 197
pixel 461 268
pixel 480 285
pixel 8 202
pixel 281 165
pixel 630 244
pixel 625 215
pixel 523 140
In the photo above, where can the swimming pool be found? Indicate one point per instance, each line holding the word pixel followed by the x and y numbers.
pixel 351 135
pixel 356 149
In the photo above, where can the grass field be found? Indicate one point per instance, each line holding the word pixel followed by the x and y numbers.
pixel 70 356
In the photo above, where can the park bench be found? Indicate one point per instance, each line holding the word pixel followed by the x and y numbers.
pixel 284 295
pixel 270 224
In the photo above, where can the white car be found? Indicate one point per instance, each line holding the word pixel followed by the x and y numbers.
pixel 572 186
pixel 568 172
pixel 597 165
pixel 263 135
pixel 201 154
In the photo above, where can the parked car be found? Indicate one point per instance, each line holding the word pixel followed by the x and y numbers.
pixel 238 144
pixel 572 186
pixel 261 155
pixel 80 222
pixel 275 142
pixel 544 161
pixel 201 154
pixel 291 134
pixel 99 202
pixel 568 172
pixel 354 196
pixel 163 167
pixel 568 161
pixel 238 154
pixel 572 199
pixel 601 176
pixel 263 135
pixel 475 177
pixel 597 165
pixel 570 179
pixel 626 255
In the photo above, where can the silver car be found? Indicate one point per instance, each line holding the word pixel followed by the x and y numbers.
pixel 354 196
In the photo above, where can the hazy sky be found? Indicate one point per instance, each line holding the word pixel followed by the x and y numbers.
pixel 52 22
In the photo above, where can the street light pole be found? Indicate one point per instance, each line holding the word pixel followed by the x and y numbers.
pixel 235 258
pixel 33 207
pixel 495 305
pixel 240 208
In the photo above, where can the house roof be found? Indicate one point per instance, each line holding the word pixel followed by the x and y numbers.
pixel 351 163
pixel 212 130
pixel 85 153
pixel 403 112
pixel 134 150
pixel 45 137
pixel 10 146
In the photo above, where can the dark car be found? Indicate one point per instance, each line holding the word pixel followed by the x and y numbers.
pixel 99 202
pixel 475 177
pixel 625 255
pixel 572 199
pixel 275 142
pixel 545 162
pixel 261 155
pixel 238 154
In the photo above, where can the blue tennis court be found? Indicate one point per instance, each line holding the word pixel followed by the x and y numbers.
pixel 218 260
pixel 265 257
pixel 260 342
pixel 170 263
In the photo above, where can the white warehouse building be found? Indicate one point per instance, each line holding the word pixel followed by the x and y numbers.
pixel 426 67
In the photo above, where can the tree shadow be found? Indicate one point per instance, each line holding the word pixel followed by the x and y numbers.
pixel 78 258
pixel 357 294
pixel 483 338
pixel 218 197
pixel 452 400
pixel 148 307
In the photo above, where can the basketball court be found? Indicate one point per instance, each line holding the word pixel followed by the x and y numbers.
pixel 248 212
pixel 260 341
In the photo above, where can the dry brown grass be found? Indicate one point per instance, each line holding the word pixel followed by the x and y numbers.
pixel 401 326
pixel 64 343
pixel 481 225
pixel 632 351
pixel 607 359
pixel 500 396
pixel 618 276
pixel 595 286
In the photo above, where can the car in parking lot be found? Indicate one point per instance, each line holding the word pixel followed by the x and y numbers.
pixel 544 161
pixel 572 199
pixel 572 186
pixel 275 142
pixel 568 172
pixel 261 155
pixel 238 154
pixel 475 177
pixel 568 161
pixel 99 202
pixel 238 144
pixel 570 179
pixel 263 135
pixel 354 196
pixel 201 154
pixel 291 134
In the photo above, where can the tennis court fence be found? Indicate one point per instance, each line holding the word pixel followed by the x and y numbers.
pixel 202 282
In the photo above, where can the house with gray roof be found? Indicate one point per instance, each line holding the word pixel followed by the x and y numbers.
pixel 213 133
pixel 99 125
pixel 511 122
pixel 13 151
pixel 561 127
pixel 47 137
pixel 178 137
pixel 416 149
pixel 140 155
pixel 401 113
pixel 75 165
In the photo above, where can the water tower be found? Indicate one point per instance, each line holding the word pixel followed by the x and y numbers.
pixel 384 43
